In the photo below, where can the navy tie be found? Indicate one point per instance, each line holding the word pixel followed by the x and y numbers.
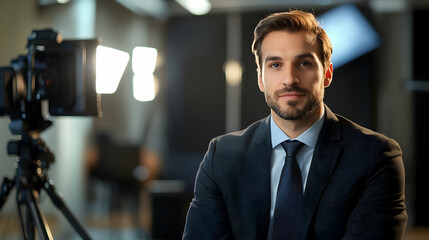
pixel 289 195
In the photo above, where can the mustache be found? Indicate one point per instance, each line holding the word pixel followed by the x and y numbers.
pixel 288 89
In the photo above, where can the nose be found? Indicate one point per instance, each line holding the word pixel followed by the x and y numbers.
pixel 289 76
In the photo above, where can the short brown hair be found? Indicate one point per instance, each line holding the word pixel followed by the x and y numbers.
pixel 293 21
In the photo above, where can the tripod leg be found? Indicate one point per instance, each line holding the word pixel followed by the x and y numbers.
pixel 37 216
pixel 59 203
pixel 6 186
pixel 27 228
pixel 34 218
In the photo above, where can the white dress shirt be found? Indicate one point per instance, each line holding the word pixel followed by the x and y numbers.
pixel 304 156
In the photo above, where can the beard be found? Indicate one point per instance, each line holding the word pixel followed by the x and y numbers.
pixel 293 112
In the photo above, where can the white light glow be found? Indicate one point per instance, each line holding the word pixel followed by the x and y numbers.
pixel 233 72
pixel 111 64
pixel 143 63
pixel 196 7
pixel 144 60
pixel 144 87
pixel 351 34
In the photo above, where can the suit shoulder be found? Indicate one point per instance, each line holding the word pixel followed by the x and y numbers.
pixel 230 149
pixel 236 143
pixel 360 134
pixel 245 134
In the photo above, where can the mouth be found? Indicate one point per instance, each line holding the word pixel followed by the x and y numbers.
pixel 291 95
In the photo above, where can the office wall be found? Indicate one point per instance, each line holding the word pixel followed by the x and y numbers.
pixel 421 115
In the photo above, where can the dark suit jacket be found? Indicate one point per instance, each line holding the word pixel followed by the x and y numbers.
pixel 355 187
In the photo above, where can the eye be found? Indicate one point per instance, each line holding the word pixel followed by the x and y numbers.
pixel 304 64
pixel 274 65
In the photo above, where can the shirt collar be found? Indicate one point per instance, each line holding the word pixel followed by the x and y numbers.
pixel 309 137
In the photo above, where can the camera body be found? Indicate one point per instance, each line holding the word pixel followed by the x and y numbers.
pixel 59 73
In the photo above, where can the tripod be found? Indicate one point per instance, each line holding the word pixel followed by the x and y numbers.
pixel 31 178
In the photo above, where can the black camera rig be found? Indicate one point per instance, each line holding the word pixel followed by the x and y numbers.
pixel 55 78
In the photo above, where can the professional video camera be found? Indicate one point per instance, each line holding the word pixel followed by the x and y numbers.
pixel 55 78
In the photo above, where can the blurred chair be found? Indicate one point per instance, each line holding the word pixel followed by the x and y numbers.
pixel 115 177
pixel 116 165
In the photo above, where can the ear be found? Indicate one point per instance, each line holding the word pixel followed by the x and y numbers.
pixel 328 76
pixel 260 81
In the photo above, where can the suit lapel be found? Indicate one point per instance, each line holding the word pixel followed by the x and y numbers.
pixel 325 157
pixel 258 158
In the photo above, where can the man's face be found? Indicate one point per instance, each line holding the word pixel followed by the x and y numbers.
pixel 291 74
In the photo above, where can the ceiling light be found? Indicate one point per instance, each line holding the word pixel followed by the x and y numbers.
pixel 196 7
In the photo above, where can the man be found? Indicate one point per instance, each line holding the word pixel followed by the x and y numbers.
pixel 351 179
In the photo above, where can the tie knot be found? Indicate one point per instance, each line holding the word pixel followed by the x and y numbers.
pixel 292 147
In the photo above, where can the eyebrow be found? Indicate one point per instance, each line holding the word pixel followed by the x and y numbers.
pixel 300 56
pixel 273 58
pixel 305 55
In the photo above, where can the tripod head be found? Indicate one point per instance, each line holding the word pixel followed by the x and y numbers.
pixel 34 156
